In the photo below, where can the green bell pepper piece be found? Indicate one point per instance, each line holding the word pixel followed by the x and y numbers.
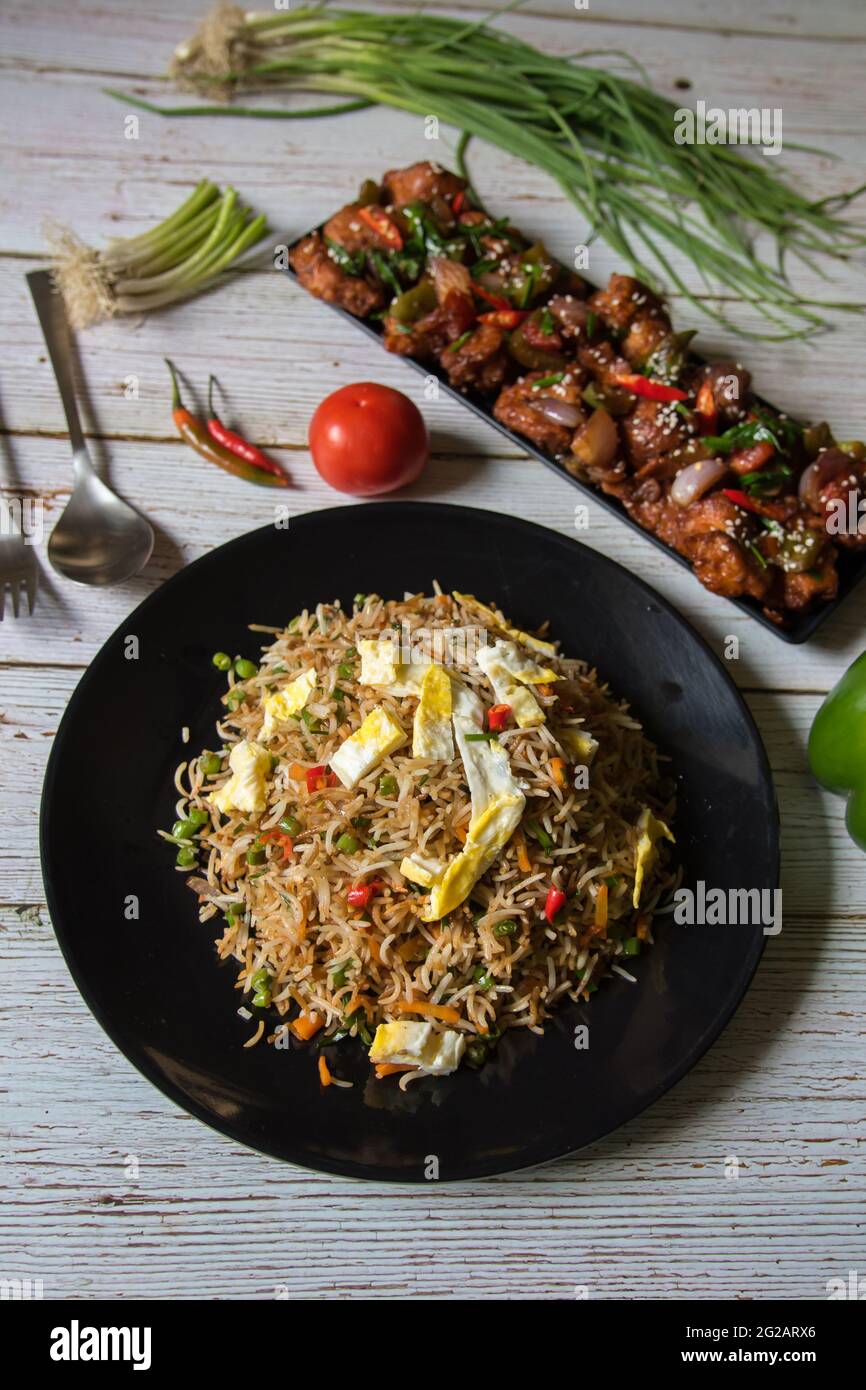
pixel 837 746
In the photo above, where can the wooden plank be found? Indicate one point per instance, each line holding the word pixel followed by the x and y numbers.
pixel 765 1094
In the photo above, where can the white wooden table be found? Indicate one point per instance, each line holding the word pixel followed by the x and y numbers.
pixel 648 1212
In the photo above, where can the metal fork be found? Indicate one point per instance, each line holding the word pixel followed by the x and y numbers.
pixel 18 569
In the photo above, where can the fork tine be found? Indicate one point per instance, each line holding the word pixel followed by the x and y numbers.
pixel 15 590
pixel 2 599
pixel 31 583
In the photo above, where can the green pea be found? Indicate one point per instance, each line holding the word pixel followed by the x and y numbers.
pixel 483 977
pixel 210 764
pixel 351 653
pixel 506 928
pixel 256 853
pixel 291 825
pixel 388 786
pixel 183 830
pixel 476 1054
pixel 186 857
pixel 222 661
pixel 347 844
pixel 236 697
pixel 345 671
pixel 245 669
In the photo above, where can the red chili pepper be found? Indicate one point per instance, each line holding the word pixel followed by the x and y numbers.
pixel 498 716
pixel 458 202
pixel 705 405
pixel 495 299
pixel 740 499
pixel 194 433
pixel 282 838
pixel 504 318
pixel 360 893
pixel 553 902
pixel 379 222
pixel 235 443
pixel 651 390
pixel 319 777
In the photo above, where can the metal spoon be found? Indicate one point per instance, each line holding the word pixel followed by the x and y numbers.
pixel 99 539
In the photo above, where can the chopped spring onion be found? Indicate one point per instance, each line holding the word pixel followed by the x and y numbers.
pixel 180 257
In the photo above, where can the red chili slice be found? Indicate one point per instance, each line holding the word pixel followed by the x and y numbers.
pixel 554 901
pixel 498 716
pixel 650 390
pixel 381 224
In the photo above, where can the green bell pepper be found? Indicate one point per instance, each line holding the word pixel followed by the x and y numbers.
pixel 837 746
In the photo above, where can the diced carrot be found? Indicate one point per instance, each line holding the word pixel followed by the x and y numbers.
pixel 544 689
pixel 324 1073
pixel 360 1001
pixel 373 943
pixel 601 907
pixel 523 860
pixel 557 767
pixel 297 773
pixel 443 1012
pixel 391 1068
pixel 407 949
pixel 461 833
pixel 306 1026
pixel 642 926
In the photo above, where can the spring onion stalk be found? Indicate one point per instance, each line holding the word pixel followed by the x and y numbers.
pixel 179 258
pixel 607 139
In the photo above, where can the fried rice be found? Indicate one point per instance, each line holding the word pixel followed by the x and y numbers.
pixel 313 965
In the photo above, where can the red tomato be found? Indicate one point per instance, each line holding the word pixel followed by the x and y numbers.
pixel 367 438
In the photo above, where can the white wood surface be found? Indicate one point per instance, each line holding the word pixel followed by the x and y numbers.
pixel 648 1212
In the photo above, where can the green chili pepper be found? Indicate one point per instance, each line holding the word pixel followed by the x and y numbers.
pixel 388 786
pixel 352 265
pixel 347 844
pixel 507 928
pixel 291 825
pixel 210 764
pixel 540 834
pixel 311 722
pixel 186 857
pixel 256 853
pixel 183 830
pixel 631 946
pixel 837 746
pixel 482 976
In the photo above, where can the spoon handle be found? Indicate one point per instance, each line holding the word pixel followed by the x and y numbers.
pixel 58 340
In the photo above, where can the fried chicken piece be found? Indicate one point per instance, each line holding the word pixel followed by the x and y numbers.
pixel 519 408
pixel 422 182
pixel 652 428
pixel 604 364
pixel 821 582
pixel 427 337
pixel 645 334
pixel 350 232
pixel 324 278
pixel 623 300
pixel 724 567
pixel 481 361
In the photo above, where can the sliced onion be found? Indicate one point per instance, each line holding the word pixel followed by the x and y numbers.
pixel 692 482
pixel 828 465
pixel 560 412
pixel 450 277
pixel 597 442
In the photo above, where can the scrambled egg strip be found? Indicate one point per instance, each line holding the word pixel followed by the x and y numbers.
pixel 246 789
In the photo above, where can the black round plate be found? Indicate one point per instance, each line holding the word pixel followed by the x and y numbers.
pixel 154 982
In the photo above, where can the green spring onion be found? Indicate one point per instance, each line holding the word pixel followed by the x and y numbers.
pixel 607 139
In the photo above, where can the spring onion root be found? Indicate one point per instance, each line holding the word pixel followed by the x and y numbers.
pixel 606 138
pixel 180 257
